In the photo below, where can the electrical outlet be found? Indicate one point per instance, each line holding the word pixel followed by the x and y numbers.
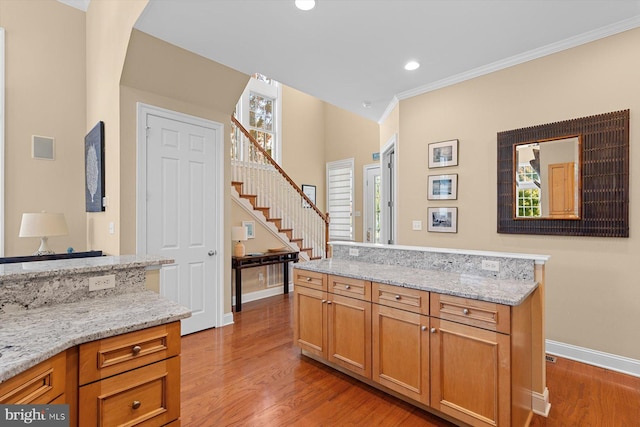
pixel 490 265
pixel 416 225
pixel 549 358
pixel 354 252
pixel 102 282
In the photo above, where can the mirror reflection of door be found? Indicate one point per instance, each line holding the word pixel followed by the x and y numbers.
pixel 547 179
pixel 372 196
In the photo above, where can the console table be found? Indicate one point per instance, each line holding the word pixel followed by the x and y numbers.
pixel 248 261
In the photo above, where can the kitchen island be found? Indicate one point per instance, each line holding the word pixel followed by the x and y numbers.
pixel 431 326
pixel 61 341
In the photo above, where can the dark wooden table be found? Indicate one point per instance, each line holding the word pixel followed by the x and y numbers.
pixel 248 261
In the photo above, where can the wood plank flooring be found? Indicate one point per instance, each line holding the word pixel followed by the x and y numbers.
pixel 250 374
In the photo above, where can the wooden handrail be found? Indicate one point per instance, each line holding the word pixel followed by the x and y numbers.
pixel 257 145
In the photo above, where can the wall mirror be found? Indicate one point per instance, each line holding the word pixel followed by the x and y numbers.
pixel 583 188
pixel 547 179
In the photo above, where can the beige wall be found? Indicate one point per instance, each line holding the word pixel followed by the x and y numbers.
pixel 45 95
pixel 303 138
pixel 109 25
pixel 349 135
pixel 592 292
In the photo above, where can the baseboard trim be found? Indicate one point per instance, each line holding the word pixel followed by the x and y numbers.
pixel 540 403
pixel 601 359
pixel 227 319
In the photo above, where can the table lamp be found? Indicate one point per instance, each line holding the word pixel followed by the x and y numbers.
pixel 43 225
pixel 239 234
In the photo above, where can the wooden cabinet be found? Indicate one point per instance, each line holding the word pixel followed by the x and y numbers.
pixel 131 379
pixel 401 340
pixel 41 384
pixel 332 326
pixel 467 359
pixel 473 378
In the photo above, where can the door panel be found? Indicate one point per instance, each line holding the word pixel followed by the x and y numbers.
pixel 181 213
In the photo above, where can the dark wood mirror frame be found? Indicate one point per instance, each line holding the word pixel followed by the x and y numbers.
pixel 605 177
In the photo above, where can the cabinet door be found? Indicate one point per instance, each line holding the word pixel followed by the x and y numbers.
pixel 349 334
pixel 470 373
pixel 309 314
pixel 401 351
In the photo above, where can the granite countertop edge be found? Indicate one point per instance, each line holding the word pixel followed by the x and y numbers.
pixel 501 291
pixel 40 269
pixel 30 337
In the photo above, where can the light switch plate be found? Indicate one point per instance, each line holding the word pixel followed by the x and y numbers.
pixel 417 225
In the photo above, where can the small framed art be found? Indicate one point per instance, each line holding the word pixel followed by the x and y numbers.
pixel 251 229
pixel 442 187
pixel 443 154
pixel 310 192
pixel 442 220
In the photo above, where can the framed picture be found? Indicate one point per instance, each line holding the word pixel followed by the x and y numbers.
pixel 442 220
pixel 442 187
pixel 251 229
pixel 443 154
pixel 310 192
pixel 94 169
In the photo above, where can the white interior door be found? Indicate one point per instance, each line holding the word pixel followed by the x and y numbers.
pixel 182 216
pixel 372 203
pixel 388 195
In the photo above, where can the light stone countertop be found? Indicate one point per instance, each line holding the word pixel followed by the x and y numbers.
pixel 32 336
pixel 43 269
pixel 502 291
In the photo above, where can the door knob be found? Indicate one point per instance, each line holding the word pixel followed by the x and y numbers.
pixel 212 253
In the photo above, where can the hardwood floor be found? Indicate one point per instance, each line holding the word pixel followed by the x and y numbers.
pixel 250 374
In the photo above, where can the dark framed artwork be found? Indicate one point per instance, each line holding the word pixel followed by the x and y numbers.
pixel 310 192
pixel 442 154
pixel 94 168
pixel 442 220
pixel 442 187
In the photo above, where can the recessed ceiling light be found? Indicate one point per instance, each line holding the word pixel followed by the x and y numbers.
pixel 412 65
pixel 305 4
pixel 366 104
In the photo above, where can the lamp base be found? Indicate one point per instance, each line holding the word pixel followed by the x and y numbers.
pixel 239 250
pixel 43 252
pixel 44 247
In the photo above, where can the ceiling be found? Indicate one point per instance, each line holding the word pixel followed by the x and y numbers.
pixel 352 52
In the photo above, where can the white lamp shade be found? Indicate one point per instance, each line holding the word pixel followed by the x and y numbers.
pixel 43 224
pixel 238 233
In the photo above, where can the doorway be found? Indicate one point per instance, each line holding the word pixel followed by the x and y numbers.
pixel 388 173
pixel 372 220
pixel 179 212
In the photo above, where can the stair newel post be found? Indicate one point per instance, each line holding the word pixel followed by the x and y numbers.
pixel 326 236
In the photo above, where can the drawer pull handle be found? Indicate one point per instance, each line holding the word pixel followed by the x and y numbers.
pixel 324 300
pixel 465 311
pixel 308 279
pixel 433 330
pixel 328 302
pixel 347 287
pixel 136 350
pixel 136 404
pixel 397 297
pixel 424 328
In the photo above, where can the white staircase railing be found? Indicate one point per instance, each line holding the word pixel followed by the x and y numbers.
pixel 289 208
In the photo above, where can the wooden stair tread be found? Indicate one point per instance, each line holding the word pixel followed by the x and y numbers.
pixel 274 219
pixel 313 258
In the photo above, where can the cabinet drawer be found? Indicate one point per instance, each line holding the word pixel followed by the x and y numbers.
pixel 38 385
pixel 111 356
pixel 310 279
pixel 413 300
pixel 487 315
pixel 354 288
pixel 145 396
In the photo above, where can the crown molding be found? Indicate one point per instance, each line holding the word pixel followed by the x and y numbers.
pixel 571 42
pixel 385 115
